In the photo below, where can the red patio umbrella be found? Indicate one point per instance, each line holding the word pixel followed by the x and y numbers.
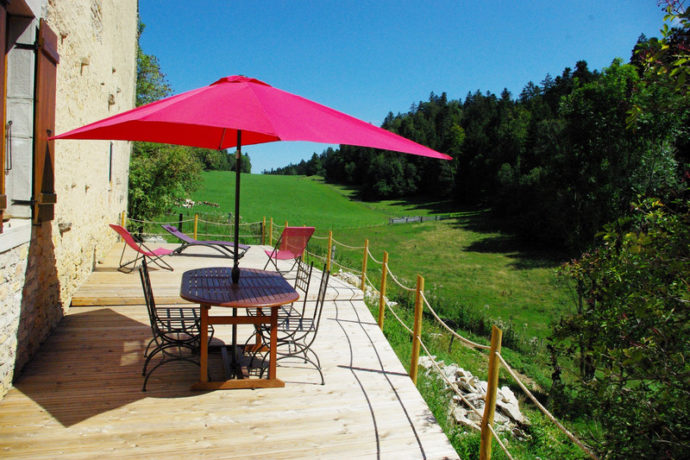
pixel 236 111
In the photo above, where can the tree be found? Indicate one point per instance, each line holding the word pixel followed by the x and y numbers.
pixel 151 82
pixel 632 333
pixel 159 174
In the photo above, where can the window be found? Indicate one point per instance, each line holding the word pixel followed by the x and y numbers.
pixel 27 103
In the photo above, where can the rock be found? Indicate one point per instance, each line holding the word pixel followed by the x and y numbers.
pixel 508 404
pixel 507 417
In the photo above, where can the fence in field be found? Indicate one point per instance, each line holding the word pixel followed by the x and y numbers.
pixel 266 232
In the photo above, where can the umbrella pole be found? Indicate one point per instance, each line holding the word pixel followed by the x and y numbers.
pixel 238 167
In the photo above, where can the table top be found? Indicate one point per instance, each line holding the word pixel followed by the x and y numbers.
pixel 256 288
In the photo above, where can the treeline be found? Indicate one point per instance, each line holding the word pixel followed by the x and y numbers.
pixel 558 161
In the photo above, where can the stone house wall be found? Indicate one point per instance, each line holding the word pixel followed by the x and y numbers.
pixel 96 78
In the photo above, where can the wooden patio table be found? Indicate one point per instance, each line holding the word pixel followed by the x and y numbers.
pixel 213 287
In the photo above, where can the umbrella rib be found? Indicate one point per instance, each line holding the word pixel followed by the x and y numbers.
pixel 222 138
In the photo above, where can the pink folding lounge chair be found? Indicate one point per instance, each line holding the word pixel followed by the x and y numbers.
pixel 153 256
pixel 290 246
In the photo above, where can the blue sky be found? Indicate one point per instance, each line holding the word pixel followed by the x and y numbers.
pixel 367 58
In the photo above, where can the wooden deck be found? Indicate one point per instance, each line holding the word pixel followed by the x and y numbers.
pixel 81 397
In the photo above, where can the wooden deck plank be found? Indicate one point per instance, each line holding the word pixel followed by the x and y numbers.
pixel 80 397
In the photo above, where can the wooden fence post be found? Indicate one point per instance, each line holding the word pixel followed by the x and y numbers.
pixel 490 402
pixel 364 264
pixel 382 292
pixel 328 254
pixel 270 233
pixel 196 225
pixel 263 231
pixel 417 329
pixel 123 221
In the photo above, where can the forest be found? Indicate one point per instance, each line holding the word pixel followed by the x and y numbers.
pixel 557 162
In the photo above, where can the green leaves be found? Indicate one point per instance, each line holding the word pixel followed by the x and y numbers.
pixel 632 332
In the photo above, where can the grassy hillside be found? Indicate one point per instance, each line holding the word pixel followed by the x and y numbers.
pixel 464 260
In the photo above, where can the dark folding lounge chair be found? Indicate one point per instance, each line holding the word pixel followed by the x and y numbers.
pixel 143 252
pixel 226 248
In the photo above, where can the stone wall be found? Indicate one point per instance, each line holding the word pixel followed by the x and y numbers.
pixel 96 78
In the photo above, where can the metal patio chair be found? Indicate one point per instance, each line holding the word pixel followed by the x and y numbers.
pixel 297 331
pixel 176 330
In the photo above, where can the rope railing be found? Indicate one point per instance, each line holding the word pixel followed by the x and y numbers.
pixel 316 255
pixel 351 270
pixel 398 282
pixel 373 258
pixel 226 223
pixel 464 340
pixel 544 410
pixel 158 223
pixel 458 392
pixel 356 248
pixel 402 323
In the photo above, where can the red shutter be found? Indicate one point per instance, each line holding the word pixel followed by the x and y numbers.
pixel 3 50
pixel 44 125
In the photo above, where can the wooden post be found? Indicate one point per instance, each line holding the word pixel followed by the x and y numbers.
pixel 123 218
pixel 286 224
pixel 490 401
pixel 382 297
pixel 263 231
pixel 417 328
pixel 179 224
pixel 270 233
pixel 364 264
pixel 328 254
pixel 196 225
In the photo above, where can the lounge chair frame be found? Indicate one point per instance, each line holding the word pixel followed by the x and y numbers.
pixel 226 248
pixel 290 246
pixel 143 252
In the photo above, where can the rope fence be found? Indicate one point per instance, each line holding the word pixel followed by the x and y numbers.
pixel 495 358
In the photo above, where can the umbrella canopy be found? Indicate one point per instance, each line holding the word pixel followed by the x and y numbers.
pixel 236 111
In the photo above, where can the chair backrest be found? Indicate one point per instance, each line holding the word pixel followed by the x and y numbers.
pixel 318 307
pixel 293 241
pixel 178 233
pixel 302 281
pixel 129 239
pixel 148 297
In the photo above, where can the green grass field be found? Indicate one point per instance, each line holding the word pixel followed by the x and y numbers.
pixel 464 260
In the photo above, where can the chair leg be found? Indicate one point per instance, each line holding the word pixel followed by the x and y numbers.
pixel 163 264
pixel 123 266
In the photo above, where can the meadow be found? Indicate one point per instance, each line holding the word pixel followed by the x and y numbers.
pixel 466 261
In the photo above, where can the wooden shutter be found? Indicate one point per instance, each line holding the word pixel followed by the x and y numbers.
pixel 44 125
pixel 3 50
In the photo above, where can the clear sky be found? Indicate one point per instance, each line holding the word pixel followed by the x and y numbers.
pixel 368 58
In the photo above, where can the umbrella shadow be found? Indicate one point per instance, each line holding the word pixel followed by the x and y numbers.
pixel 92 364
